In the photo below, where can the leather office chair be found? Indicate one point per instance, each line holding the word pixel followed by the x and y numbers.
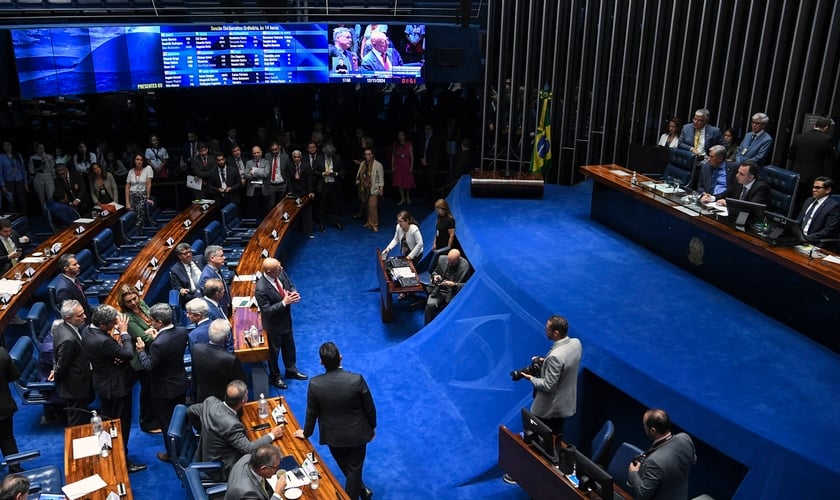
pixel 183 449
pixel 601 442
pixel 39 320
pixel 130 233
pixel 25 355
pixel 196 490
pixel 214 234
pixel 112 259
pixel 620 461
pixel 681 165
pixel 783 184
pixel 237 229
pixel 47 479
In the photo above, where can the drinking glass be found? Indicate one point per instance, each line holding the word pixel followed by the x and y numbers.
pixel 314 480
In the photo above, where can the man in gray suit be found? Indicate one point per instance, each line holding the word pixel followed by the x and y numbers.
pixel 663 472
pixel 248 477
pixel 223 436
pixel 71 367
pixel 256 171
pixel 342 404
pixel 449 276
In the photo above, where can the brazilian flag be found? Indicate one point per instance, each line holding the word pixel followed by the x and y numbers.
pixel 541 159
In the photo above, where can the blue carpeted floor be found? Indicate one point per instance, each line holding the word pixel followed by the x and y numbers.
pixel 752 388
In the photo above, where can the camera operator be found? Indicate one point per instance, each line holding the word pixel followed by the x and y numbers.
pixel 555 389
pixel 448 278
pixel 662 472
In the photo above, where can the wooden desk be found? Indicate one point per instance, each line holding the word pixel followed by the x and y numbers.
pixel 536 475
pixel 330 488
pixel 47 270
pixel 113 469
pixel 139 269
pixel 388 287
pixel 779 281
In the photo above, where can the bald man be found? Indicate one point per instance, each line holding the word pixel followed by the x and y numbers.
pixel 448 278
pixel 275 295
pixel 381 57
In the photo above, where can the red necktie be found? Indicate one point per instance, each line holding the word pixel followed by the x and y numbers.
pixel 274 169
pixel 280 288
pixel 385 63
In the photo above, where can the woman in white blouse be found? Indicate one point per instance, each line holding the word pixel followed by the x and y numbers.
pixel 671 139
pixel 138 187
pixel 407 236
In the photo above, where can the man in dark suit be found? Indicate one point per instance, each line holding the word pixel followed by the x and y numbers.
pixel 198 313
pixel 381 57
pixel 214 295
pixel 61 213
pixel 70 183
pixel 275 294
pixel 328 172
pixel 248 476
pixel 342 49
pixel 663 473
pixel 110 352
pixel 820 215
pixel 448 278
pixel 189 150
pixel 431 157
pixel 812 155
pixel 698 136
pixel 165 363
pixel 223 436
pixel 69 286
pixel 214 255
pixel 746 187
pixel 301 185
pixel 213 366
pixel 184 276
pixel 9 250
pixel 224 182
pixel 342 404
pixel 71 367
pixel 276 173
pixel 200 167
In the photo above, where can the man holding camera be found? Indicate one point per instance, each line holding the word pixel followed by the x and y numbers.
pixel 555 388
pixel 662 471
pixel 448 278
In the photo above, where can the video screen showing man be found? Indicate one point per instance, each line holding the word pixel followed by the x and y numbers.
pixel 343 56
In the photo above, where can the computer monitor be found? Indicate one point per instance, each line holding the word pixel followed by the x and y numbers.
pixel 539 435
pixel 740 211
pixel 591 477
pixel 784 231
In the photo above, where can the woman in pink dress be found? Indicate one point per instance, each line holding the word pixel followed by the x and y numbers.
pixel 402 161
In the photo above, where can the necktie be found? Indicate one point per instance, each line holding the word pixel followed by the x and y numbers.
pixel 743 193
pixel 385 63
pixel 268 488
pixel 193 275
pixel 280 288
pixel 297 170
pixel 809 216
pixel 10 248
pixel 274 169
pixel 79 286
pixel 204 161
pixel 696 139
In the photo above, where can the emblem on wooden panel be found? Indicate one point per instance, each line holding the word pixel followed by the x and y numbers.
pixel 696 251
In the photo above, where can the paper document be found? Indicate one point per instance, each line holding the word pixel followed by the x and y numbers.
pixel 33 260
pixel 619 172
pixel 245 277
pixel 83 220
pixel 10 287
pixel 86 447
pixel 83 487
pixel 244 302
pixel 403 272
pixel 832 258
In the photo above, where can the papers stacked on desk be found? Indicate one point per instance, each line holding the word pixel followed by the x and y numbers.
pixel 84 487
pixel 33 260
pixel 83 220
pixel 402 272
pixel 10 287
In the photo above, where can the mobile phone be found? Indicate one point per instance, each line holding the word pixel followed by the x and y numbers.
pixel 260 427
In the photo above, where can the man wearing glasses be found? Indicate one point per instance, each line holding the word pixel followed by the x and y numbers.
pixel 756 145
pixel 820 215
pixel 185 274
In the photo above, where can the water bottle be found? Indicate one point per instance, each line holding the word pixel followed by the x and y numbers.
pixel 95 423
pixel 262 407
pixel 255 335
pixel 634 180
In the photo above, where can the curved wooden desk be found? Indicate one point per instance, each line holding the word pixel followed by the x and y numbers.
pixel 113 469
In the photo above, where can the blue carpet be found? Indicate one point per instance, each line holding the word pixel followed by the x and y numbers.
pixel 741 382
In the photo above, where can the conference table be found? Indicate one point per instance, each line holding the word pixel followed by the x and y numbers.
pixel 792 286
pixel 329 487
pixel 140 273
pixel 113 469
pixel 536 475
pixel 268 237
pixel 388 287
pixel 72 239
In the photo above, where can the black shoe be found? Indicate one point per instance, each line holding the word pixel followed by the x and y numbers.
pixel 132 468
pixel 509 480
pixel 278 383
pixel 163 456
pixel 321 228
pixel 338 225
pixel 297 375
pixel 367 493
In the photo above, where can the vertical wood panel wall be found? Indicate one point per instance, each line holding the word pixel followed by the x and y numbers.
pixel 618 68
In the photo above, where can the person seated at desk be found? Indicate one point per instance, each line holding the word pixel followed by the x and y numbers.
pixel 214 366
pixel 820 215
pixel 185 275
pixel 447 280
pixel 14 487
pixel 714 172
pixel 249 475
pixel 10 252
pixel 223 436
pixel 407 236
pixel 61 212
pixel 747 187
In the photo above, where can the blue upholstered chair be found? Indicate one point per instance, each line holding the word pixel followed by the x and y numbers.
pixel 601 442
pixel 620 460
pixel 783 185
pixel 681 165
pixel 25 355
pixel 47 479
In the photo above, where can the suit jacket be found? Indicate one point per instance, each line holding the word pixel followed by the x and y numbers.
pixel 342 404
pixel 214 311
pixel 178 279
pixel 200 334
pixel 706 180
pixel 276 317
pixel 213 368
pixel 73 377
pixel 555 390
pixel 66 289
pixel 232 180
pixel 243 484
pixel 825 223
pixel 5 261
pixel 113 376
pixel 756 149
pixel 759 193
pixel 320 167
pixel 458 275
pixel 8 373
pixel 165 361
pixel 713 137
pixel 62 214
pixel 283 163
pixel 210 273
pixel 304 184
pixel 223 436
pixel 75 187
pixel 812 154
pixel 372 62
pixel 663 474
